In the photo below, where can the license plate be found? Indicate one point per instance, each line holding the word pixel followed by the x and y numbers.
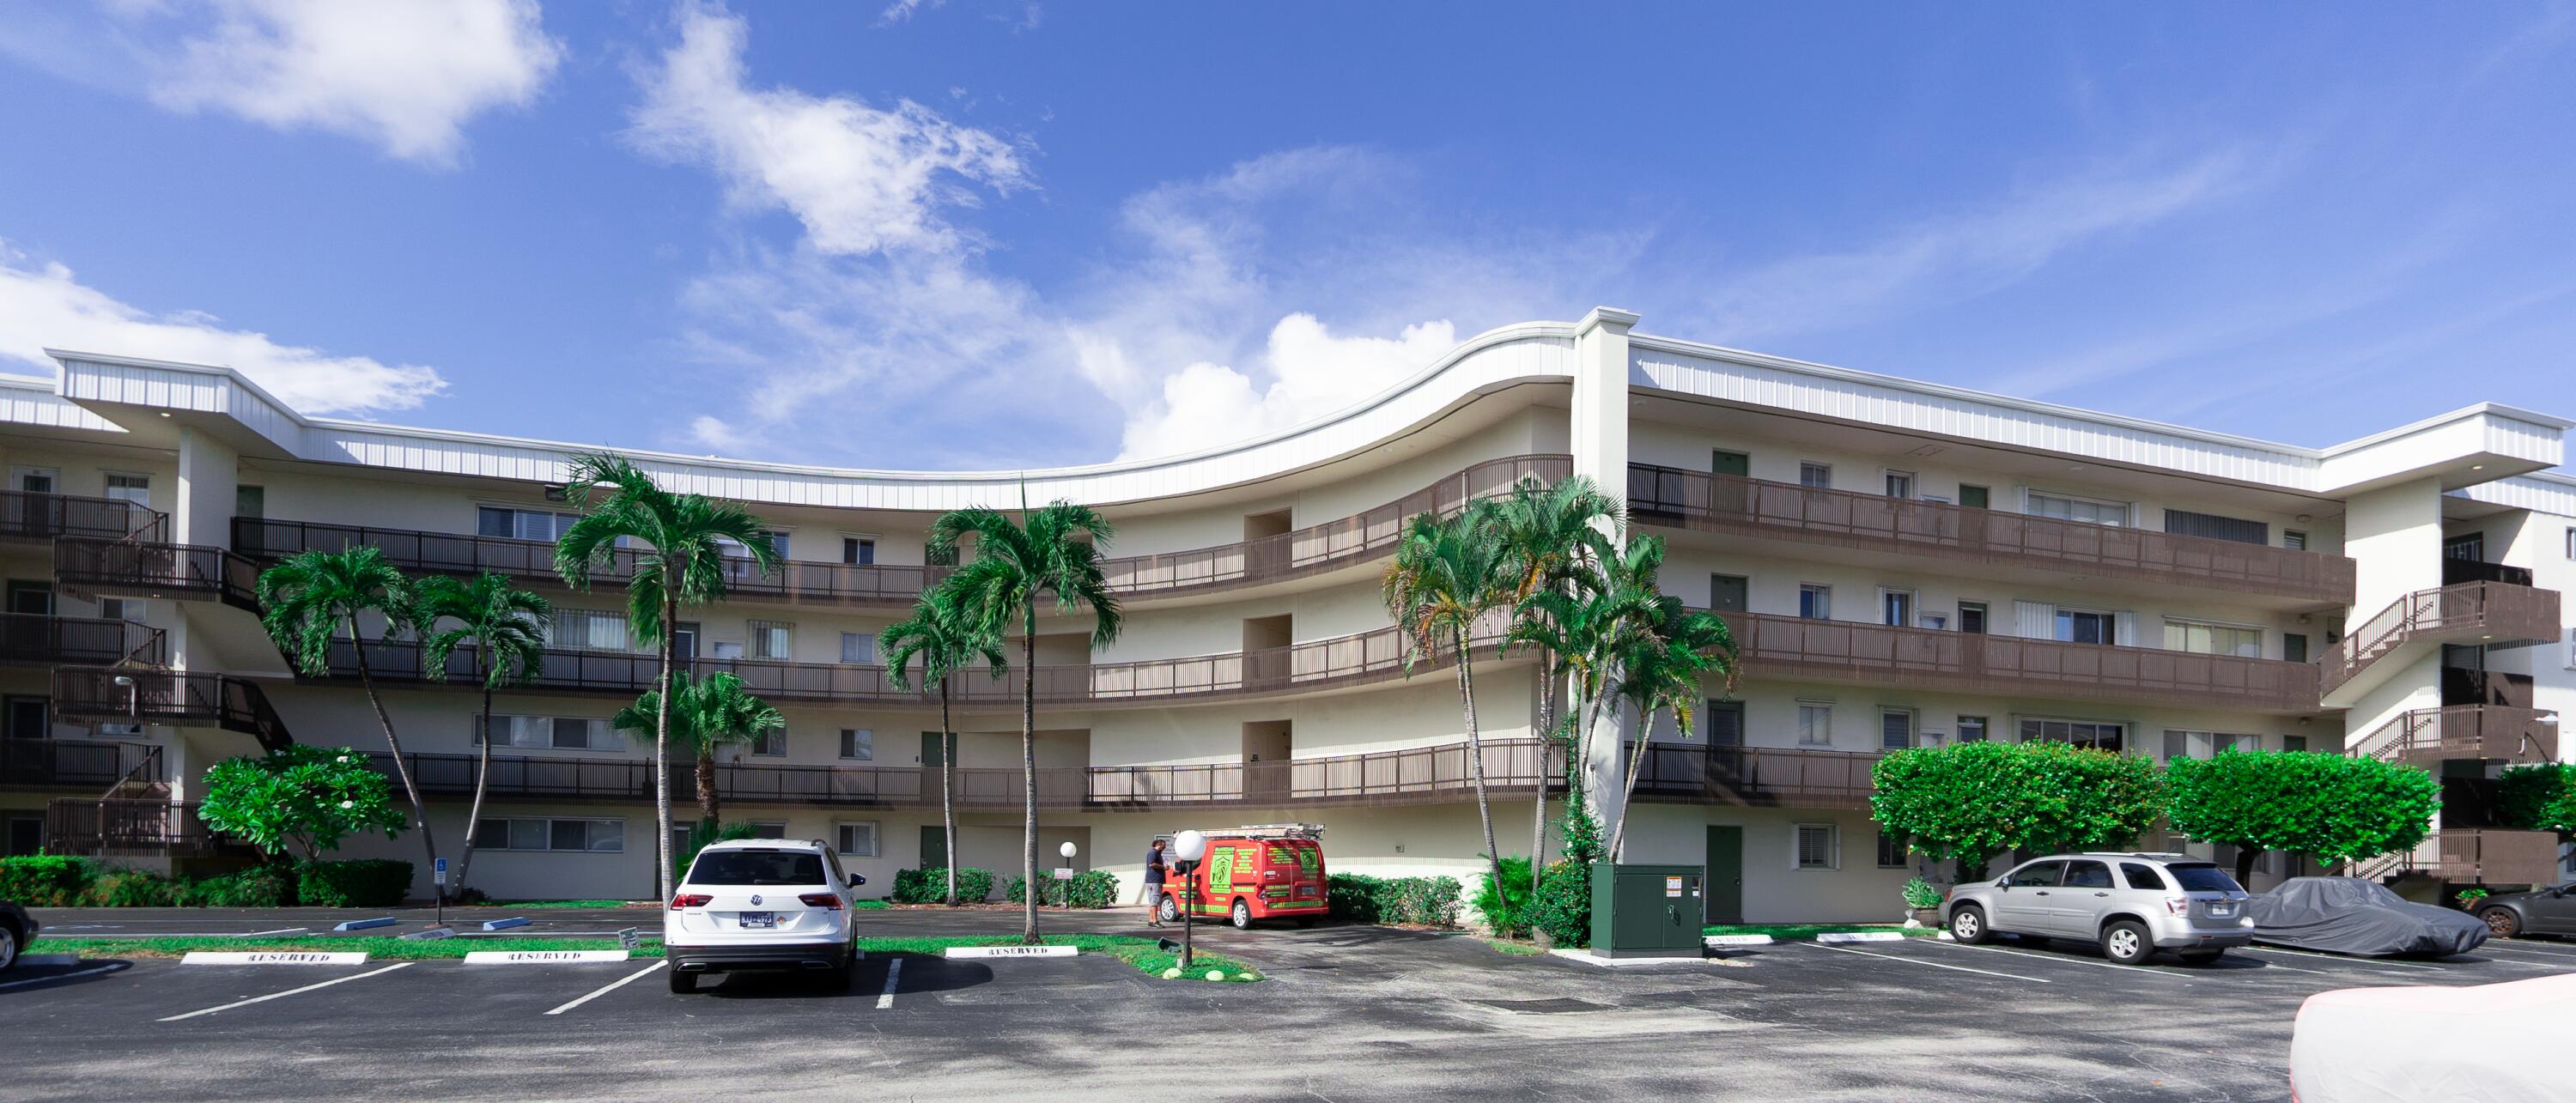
pixel 2222 909
pixel 757 920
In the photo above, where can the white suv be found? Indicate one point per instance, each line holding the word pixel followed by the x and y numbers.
pixel 761 904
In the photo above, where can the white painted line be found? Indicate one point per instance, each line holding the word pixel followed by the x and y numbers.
pixel 2539 953
pixel 49 959
pixel 2137 970
pixel 1009 951
pixel 289 992
pixel 1932 964
pixel 1859 936
pixel 610 987
pixel 1737 940
pixel 110 967
pixel 273 957
pixel 885 999
pixel 542 957
pixel 2340 958
pixel 255 934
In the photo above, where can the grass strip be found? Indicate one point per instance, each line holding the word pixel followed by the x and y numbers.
pixel 1146 954
pixel 379 947
pixel 1793 932
pixel 1508 946
pixel 570 904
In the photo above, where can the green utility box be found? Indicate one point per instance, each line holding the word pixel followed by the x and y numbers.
pixel 1646 911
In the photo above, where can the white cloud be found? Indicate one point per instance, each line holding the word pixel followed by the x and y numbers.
pixel 861 179
pixel 902 10
pixel 1312 373
pixel 42 305
pixel 403 74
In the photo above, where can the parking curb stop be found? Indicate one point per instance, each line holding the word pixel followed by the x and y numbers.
pixel 543 957
pixel 364 924
pixel 1860 936
pixel 1723 941
pixel 274 957
pixel 506 924
pixel 1009 951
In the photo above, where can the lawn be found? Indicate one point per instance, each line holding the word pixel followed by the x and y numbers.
pixel 1146 954
pixel 1511 946
pixel 1792 932
pixel 855 905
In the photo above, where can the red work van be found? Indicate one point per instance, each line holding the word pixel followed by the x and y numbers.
pixel 1271 871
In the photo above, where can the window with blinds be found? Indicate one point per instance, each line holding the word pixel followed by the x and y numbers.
pixel 1725 723
pixel 1815 846
pixel 857 839
pixel 558 733
pixel 1891 851
pixel 770 639
pixel 2208 638
pixel 1895 729
pixel 2092 511
pixel 590 630
pixel 770 744
pixel 2183 522
pixel 522 524
pixel 1815 725
pixel 859 744
pixel 536 833
pixel 2082 733
pixel 1972 729
pixel 858 647
pixel 2192 744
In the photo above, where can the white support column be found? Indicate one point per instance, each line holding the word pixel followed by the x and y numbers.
pixel 1600 441
pixel 2394 537
pixel 209 477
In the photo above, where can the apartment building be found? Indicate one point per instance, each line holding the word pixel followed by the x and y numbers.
pixel 1904 564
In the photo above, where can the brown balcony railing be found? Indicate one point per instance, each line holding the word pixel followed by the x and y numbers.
pixel 137 828
pixel 1679 498
pixel 2486 732
pixel 1840 650
pixel 183 571
pixel 30 516
pixel 42 639
pixel 168 697
pixel 2483 855
pixel 1762 777
pixel 2486 612
pixel 75 763
pixel 1315 665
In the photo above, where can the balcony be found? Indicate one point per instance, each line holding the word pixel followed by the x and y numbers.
pixel 48 517
pixel 2483 855
pixel 2458 571
pixel 186 572
pixel 168 697
pixel 40 639
pixel 1314 666
pixel 91 765
pixel 1676 498
pixel 1421 775
pixel 135 828
pixel 2494 733
pixel 1756 777
pixel 1836 650
pixel 2493 613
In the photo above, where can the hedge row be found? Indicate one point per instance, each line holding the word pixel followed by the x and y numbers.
pixel 1090 888
pixel 930 886
pixel 1426 901
pixel 57 881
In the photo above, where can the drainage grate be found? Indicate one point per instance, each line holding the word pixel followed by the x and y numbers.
pixel 1559 1006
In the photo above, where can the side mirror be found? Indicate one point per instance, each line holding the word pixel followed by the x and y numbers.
pixel 2005 883
pixel 857 879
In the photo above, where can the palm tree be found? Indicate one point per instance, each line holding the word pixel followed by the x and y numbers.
pixel 705 714
pixel 945 637
pixel 1053 550
pixel 678 542
pixel 507 628
pixel 1553 533
pixel 1447 573
pixel 306 598
pixel 1663 671
pixel 1611 600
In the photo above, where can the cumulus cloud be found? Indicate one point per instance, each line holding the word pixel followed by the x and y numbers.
pixel 861 179
pixel 403 74
pixel 1311 373
pixel 42 305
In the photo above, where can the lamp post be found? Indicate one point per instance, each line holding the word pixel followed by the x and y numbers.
pixel 1066 901
pixel 1187 848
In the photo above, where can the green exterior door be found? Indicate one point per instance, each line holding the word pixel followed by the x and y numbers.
pixel 1725 889
pixel 1726 593
pixel 1722 462
pixel 934 847
pixel 930 750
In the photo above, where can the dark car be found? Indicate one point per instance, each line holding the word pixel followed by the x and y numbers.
pixel 2550 911
pixel 2347 915
pixel 17 929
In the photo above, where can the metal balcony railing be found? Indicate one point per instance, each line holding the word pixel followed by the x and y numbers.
pixel 134 828
pixel 180 571
pixel 2462 732
pixel 1761 777
pixel 2486 612
pixel 151 696
pixel 2479 855
pixel 43 639
pixel 75 763
pixel 25 515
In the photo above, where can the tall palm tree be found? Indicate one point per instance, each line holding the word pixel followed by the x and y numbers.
pixel 678 542
pixel 1053 550
pixel 1663 672
pixel 306 598
pixel 507 628
pixel 706 713
pixel 1447 573
pixel 943 635
pixel 1553 533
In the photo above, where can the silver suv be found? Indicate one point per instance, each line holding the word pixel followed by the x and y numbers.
pixel 2130 904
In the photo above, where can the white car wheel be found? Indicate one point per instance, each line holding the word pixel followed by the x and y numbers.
pixel 1968 925
pixel 2126 943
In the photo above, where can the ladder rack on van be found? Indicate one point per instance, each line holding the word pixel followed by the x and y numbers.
pixel 1273 831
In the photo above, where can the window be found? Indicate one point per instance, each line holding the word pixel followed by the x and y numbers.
pixel 725 649
pixel 558 733
pixel 858 551
pixel 2294 742
pixel 35 480
pixel 858 647
pixel 2571 541
pixel 2081 626
pixel 2091 511
pixel 2087 875
pixel 2083 733
pixel 2183 522
pixel 758 867
pixel 1972 729
pixel 1972 617
pixel 2294 647
pixel 1896 608
pixel 859 743
pixel 1815 845
pixel 2209 638
pixel 735 551
pixel 2141 876
pixel 2192 744
pixel 1900 484
pixel 1725 723
pixel 938 558
pixel 771 639
pixel 131 488
pixel 1973 496
pixel 770 744
pixel 858 840
pixel 1891 851
pixel 2469 546
pixel 1723 462
pixel 769 829
pixel 2037 875
pixel 590 630
pixel 2294 540
pixel 1895 729
pixel 1819 476
pixel 522 524
pixel 1726 593
pixel 1816 602
pixel 250 501
pixel 538 833
pixel 1815 725
pixel 121 608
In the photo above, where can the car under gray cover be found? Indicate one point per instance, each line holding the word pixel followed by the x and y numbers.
pixel 2347 915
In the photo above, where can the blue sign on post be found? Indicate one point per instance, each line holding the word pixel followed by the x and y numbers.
pixel 439 870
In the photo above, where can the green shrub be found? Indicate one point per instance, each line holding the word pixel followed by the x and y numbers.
pixel 353 883
pixel 1920 893
pixel 700 834
pixel 1563 910
pixel 1351 896
pixel 930 886
pixel 131 888
pixel 2538 798
pixel 1506 913
pixel 46 880
pixel 1090 888
pixel 1969 800
pixel 1427 901
pixel 264 886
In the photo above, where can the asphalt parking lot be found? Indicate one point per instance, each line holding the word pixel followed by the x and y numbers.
pixel 1349 1013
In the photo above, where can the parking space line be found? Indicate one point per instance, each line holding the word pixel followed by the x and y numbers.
pixel 110 967
pixel 894 969
pixel 2539 953
pixel 1920 961
pixel 2068 960
pixel 611 986
pixel 288 992
pixel 281 930
pixel 2341 959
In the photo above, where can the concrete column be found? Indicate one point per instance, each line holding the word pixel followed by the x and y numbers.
pixel 2394 536
pixel 1600 441
pixel 209 477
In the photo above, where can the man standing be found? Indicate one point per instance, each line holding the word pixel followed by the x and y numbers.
pixel 1154 884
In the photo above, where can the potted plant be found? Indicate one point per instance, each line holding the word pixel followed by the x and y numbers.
pixel 2469 898
pixel 1922 903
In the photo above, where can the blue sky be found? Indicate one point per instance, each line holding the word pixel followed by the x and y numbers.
pixel 955 234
